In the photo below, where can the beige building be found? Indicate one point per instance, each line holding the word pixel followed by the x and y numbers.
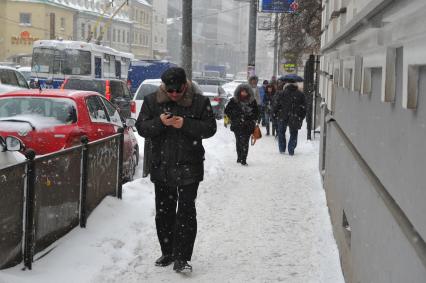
pixel 22 23
pixel 140 13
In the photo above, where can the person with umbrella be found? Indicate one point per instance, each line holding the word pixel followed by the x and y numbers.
pixel 290 110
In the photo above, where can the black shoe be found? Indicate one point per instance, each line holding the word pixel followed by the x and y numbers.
pixel 182 266
pixel 244 163
pixel 291 153
pixel 164 260
pixel 238 160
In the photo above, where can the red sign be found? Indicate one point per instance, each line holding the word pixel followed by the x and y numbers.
pixel 24 38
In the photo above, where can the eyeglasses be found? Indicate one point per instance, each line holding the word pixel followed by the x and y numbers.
pixel 172 90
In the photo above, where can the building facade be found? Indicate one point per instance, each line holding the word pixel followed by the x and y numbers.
pixel 126 28
pixel 159 29
pixel 140 13
pixel 372 153
pixel 23 22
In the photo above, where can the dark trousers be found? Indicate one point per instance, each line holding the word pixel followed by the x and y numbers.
pixel 242 141
pixel 292 143
pixel 176 230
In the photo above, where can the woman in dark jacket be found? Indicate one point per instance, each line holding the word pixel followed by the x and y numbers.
pixel 243 112
pixel 267 103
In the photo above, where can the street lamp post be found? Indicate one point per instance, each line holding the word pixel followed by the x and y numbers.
pixel 187 37
pixel 252 39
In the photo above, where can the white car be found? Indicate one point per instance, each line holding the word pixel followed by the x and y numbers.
pixel 231 86
pixel 145 88
pixel 9 154
pixel 11 77
pixel 26 72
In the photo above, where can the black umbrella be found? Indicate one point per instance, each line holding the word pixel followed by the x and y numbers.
pixel 292 78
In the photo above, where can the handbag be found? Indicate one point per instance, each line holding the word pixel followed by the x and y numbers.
pixel 257 134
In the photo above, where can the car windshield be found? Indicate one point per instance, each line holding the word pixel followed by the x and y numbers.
pixel 209 88
pixel 68 61
pixel 144 90
pixel 39 112
pixel 210 81
pixel 90 85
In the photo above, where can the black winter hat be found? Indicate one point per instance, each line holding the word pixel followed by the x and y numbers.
pixel 174 77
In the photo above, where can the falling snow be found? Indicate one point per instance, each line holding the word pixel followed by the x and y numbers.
pixel 267 222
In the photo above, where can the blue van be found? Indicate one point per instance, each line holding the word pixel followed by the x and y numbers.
pixel 141 70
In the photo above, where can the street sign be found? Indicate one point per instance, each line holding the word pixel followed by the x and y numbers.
pixel 264 22
pixel 278 6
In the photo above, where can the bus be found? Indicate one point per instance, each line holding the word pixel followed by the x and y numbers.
pixel 53 61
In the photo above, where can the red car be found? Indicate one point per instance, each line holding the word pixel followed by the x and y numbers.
pixel 51 120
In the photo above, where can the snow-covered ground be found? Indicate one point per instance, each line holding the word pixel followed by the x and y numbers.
pixel 267 222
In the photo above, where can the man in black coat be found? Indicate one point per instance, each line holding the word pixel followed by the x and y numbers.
pixel 290 110
pixel 176 118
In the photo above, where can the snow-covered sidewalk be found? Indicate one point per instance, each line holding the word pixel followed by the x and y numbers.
pixel 267 222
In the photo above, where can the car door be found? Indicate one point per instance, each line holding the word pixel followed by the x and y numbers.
pixel 100 126
pixel 116 123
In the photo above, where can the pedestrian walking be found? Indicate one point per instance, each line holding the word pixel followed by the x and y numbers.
pixel 253 80
pixel 268 102
pixel 176 118
pixel 243 111
pixel 290 110
pixel 262 91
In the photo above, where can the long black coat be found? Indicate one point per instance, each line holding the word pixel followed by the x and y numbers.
pixel 177 155
pixel 243 116
pixel 290 106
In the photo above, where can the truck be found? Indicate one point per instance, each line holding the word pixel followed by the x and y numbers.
pixel 214 71
pixel 141 70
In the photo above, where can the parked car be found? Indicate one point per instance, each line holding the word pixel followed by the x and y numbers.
pixel 9 151
pixel 11 77
pixel 26 72
pixel 145 88
pixel 209 81
pixel 231 86
pixel 7 88
pixel 218 98
pixel 52 120
pixel 113 90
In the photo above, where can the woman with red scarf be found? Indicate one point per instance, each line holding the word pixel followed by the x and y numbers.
pixel 243 112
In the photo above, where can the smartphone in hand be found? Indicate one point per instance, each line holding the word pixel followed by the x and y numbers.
pixel 169 114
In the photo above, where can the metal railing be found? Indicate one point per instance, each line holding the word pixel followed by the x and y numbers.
pixel 44 198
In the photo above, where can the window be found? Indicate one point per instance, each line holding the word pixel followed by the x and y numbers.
pixel 8 77
pixel 62 23
pixel 21 80
pixel 108 33
pixel 124 37
pixel 96 110
pixel 162 40
pixel 83 30
pixel 128 37
pixel 113 35
pixel 25 19
pixel 113 114
pixel 89 30
pixel 116 89
pixel 155 39
pixel 119 35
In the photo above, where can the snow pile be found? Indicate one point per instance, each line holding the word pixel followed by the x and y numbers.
pixel 267 222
